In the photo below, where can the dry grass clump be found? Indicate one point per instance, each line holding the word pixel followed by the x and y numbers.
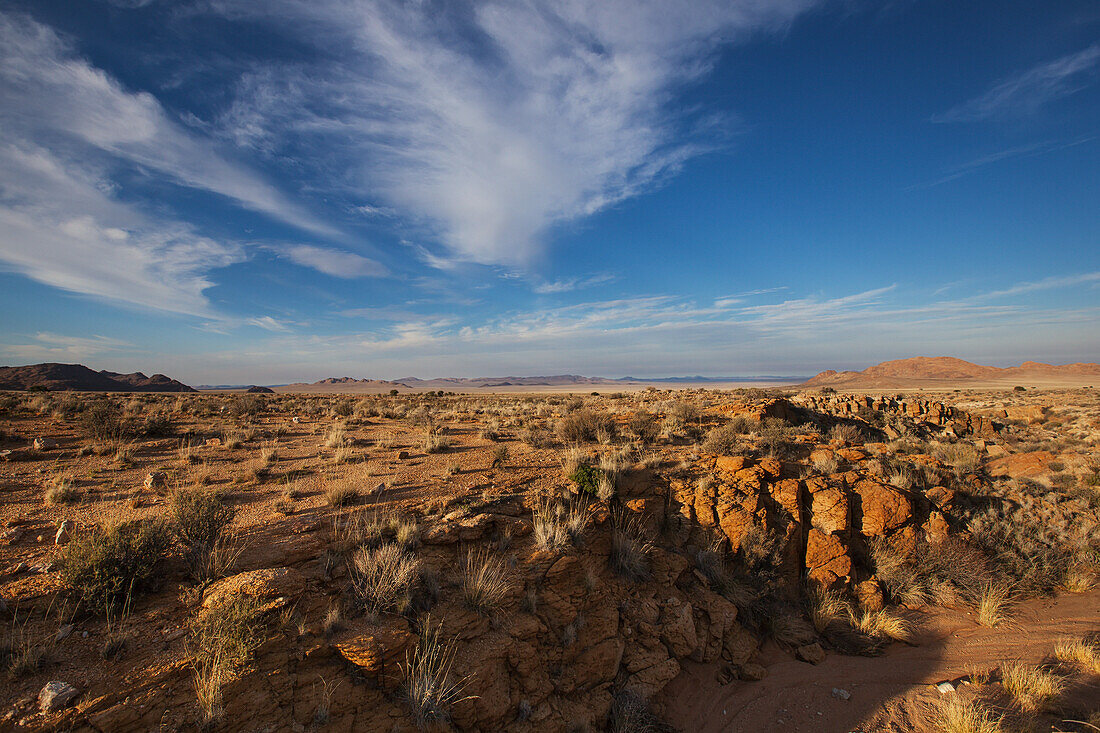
pixel 559 522
pixel 947 573
pixel 630 547
pixel 341 493
pixel 1078 653
pixel 631 714
pixel 383 578
pixel 433 442
pixel 336 436
pixel 825 464
pixel 957 715
pixel 484 581
pixel 962 457
pixel 883 624
pixel 23 653
pixel 1032 689
pixel 845 433
pixel 62 490
pixel 645 427
pixel 431 690
pixel 993 603
pixel 826 607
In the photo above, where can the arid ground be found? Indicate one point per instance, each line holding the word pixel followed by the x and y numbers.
pixel 689 559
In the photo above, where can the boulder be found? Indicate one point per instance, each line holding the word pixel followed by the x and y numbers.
pixel 273 587
pixel 884 508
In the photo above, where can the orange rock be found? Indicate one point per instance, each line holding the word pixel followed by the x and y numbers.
pixel 827 560
pixel 883 507
pixel 1021 465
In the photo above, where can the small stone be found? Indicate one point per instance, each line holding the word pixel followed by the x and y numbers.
pixel 63 632
pixel 812 653
pixel 841 694
pixel 155 479
pixel 56 696
pixel 753 672
pixel 945 687
pixel 295 420
pixel 44 444
pixel 403 455
pixel 64 533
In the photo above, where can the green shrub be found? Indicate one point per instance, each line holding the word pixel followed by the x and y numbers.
pixel 111 562
pixel 587 478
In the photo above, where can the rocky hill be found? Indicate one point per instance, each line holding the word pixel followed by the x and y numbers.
pixel 930 371
pixel 60 377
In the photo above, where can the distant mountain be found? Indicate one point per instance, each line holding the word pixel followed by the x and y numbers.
pixel 946 369
pixel 701 379
pixel 57 377
pixel 453 383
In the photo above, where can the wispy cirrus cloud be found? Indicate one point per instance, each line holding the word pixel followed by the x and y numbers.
pixel 60 225
pixel 334 262
pixel 48 346
pixel 490 123
pixel 1025 92
pixel 48 92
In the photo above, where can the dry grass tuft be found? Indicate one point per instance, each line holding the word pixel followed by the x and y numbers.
pixel 993 604
pixel 826 607
pixel 430 689
pixel 383 577
pixel 957 715
pixel 484 581
pixel 1032 689
pixel 1078 653
pixel 883 624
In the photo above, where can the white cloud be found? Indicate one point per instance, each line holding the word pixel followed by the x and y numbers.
pixel 47 346
pixel 1027 91
pixel 334 262
pixel 573 283
pixel 267 323
pixel 60 226
pixel 47 92
pixel 492 125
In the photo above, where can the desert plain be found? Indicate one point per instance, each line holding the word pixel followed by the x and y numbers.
pixel 786 558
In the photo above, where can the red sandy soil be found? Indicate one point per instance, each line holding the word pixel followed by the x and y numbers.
pixel 891 693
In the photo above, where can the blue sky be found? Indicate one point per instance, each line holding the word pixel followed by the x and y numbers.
pixel 233 191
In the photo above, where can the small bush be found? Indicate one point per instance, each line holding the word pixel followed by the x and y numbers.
pixel 110 562
pixel 587 478
pixel 103 421
pixel 200 517
pixel 584 426
pixel 645 427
